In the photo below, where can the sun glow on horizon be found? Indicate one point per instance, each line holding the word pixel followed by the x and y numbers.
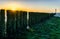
pixel 16 6
pixel 13 6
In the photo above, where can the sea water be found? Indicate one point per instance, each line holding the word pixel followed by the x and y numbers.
pixel 57 15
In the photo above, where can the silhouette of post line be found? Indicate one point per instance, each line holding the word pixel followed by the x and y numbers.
pixel 27 20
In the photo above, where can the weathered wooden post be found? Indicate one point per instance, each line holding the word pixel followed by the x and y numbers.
pixel 5 33
pixel 23 24
pixel 11 24
pixel 18 24
pixel 2 23
pixel 28 20
pixel 55 10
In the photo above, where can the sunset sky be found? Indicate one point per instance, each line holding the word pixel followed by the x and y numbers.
pixel 31 5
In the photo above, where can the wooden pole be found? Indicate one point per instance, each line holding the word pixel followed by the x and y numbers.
pixel 5 22
pixel 28 20
pixel 55 10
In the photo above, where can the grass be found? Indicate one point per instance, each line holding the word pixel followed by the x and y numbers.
pixel 50 29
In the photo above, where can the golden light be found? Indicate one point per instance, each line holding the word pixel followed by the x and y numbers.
pixel 13 6
pixel 13 9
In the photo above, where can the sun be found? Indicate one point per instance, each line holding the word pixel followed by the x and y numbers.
pixel 13 9
pixel 13 6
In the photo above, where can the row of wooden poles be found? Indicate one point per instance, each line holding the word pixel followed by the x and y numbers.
pixel 13 24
